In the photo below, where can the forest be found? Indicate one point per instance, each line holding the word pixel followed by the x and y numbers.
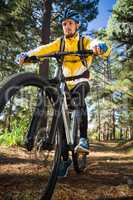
pixel 27 24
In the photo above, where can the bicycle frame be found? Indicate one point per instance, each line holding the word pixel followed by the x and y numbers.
pixel 68 123
pixel 63 112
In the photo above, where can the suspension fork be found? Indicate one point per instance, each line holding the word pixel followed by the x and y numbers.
pixel 32 132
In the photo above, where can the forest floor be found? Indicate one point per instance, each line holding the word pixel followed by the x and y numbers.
pixel 109 175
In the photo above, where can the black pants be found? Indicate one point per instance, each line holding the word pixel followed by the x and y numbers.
pixel 78 93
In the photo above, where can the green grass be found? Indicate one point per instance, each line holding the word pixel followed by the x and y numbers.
pixel 15 136
pixel 130 150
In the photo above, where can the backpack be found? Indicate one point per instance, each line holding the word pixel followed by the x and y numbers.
pixel 80 48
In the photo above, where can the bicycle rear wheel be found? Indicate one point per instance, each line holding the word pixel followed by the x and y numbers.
pixel 79 159
pixel 18 102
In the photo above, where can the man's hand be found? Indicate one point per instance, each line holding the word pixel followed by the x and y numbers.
pixel 100 49
pixel 20 59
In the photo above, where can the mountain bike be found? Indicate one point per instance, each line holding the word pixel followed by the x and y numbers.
pixel 42 107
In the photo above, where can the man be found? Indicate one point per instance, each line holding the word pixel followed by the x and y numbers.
pixel 76 72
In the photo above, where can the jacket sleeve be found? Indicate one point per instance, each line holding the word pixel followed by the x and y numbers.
pixel 52 47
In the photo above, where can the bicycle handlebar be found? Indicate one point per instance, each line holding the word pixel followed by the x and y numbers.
pixel 77 53
pixel 57 55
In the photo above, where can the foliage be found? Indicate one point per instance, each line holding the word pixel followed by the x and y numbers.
pixel 87 10
pixel 14 137
pixel 19 30
pixel 21 26
pixel 120 22
pixel 120 32
pixel 111 84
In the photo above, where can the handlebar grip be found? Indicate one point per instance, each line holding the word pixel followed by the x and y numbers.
pixel 30 59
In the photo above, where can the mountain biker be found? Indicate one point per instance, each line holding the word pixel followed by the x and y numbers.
pixel 75 72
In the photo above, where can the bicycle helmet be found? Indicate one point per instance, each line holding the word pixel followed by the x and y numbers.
pixel 70 14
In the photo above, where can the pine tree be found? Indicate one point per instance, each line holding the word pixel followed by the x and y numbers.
pixel 23 27
pixel 121 34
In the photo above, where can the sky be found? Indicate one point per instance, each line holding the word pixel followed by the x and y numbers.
pixel 103 16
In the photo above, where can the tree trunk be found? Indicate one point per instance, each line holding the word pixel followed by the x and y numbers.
pixel 121 133
pixel 99 116
pixel 131 132
pixel 113 124
pixel 44 67
pixel 106 131
pixel 9 117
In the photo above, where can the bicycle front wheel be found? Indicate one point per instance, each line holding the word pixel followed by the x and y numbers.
pixel 21 110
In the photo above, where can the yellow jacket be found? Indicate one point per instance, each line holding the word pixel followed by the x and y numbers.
pixel 72 64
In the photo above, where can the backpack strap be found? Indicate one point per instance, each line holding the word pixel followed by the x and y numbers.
pixel 81 48
pixel 62 44
pixel 62 47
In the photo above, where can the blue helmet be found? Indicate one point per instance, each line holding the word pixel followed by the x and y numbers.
pixel 71 14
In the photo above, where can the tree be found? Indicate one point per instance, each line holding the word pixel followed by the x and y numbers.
pixel 45 36
pixel 120 23
pixel 120 32
pixel 23 22
pixel 19 30
pixel 87 10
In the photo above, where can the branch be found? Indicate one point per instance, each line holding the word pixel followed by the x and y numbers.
pixel 123 17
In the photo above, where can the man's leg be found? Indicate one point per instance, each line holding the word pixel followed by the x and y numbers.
pixel 80 91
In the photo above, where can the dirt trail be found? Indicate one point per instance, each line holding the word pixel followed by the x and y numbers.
pixel 109 175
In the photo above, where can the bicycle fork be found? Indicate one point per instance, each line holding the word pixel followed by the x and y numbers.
pixel 69 122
